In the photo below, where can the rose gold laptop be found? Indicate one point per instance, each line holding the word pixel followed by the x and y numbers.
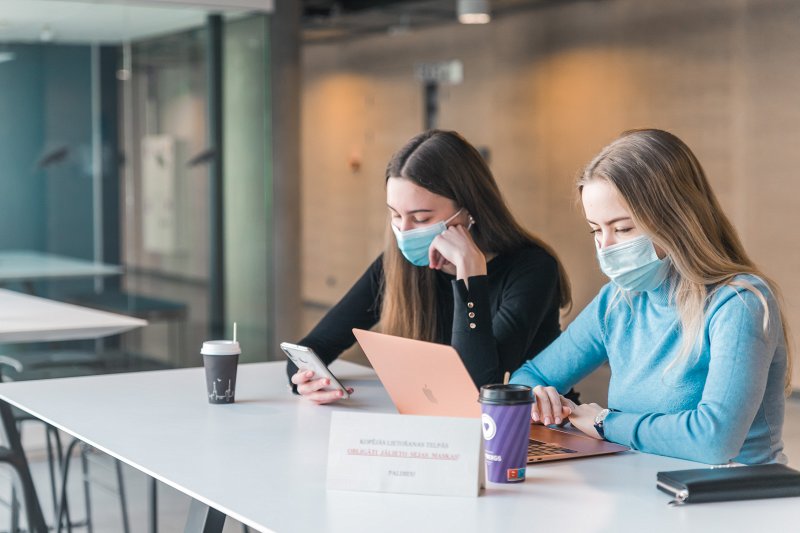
pixel 424 378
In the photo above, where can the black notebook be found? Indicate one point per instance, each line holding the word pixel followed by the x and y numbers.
pixel 726 484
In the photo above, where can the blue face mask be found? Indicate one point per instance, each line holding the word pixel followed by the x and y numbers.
pixel 414 243
pixel 634 265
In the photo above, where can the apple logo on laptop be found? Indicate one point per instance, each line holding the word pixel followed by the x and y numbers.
pixel 429 394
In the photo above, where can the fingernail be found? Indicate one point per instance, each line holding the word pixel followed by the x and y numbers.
pixel 341 394
pixel 558 420
pixel 535 417
pixel 547 421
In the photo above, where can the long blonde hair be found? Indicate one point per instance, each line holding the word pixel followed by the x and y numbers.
pixel 670 199
pixel 444 163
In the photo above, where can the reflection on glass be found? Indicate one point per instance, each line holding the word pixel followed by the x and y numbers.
pixel 104 173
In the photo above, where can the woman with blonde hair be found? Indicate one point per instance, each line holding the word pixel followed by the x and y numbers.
pixel 456 269
pixel 691 328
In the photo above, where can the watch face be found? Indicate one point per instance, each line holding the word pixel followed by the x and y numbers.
pixel 598 420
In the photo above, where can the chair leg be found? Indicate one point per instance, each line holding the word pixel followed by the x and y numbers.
pixel 18 460
pixel 14 527
pixel 59 449
pixel 15 504
pixel 120 489
pixel 122 500
pixel 51 464
pixel 87 495
pixel 51 434
pixel 64 474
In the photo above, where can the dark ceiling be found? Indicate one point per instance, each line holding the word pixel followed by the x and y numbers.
pixel 340 20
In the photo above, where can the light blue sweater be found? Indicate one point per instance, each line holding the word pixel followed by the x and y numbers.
pixel 727 404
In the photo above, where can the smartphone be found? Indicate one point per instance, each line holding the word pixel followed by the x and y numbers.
pixel 304 357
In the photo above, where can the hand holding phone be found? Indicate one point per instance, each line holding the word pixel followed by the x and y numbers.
pixel 304 358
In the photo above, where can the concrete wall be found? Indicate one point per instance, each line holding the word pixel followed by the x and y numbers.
pixel 544 90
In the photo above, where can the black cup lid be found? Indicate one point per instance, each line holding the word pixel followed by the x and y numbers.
pixel 509 394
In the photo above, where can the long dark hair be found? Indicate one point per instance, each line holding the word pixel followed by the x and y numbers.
pixel 444 163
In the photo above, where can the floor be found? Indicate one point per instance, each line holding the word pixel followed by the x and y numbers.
pixel 106 514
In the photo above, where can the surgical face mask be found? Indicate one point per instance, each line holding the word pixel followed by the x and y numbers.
pixel 634 265
pixel 414 243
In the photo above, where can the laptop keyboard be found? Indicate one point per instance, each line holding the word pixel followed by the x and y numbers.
pixel 538 448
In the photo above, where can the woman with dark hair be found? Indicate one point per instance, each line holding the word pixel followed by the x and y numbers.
pixel 456 269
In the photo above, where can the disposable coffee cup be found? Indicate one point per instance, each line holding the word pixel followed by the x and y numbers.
pixel 220 358
pixel 506 421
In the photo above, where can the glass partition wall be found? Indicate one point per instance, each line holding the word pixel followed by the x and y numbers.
pixel 167 213
pixel 112 118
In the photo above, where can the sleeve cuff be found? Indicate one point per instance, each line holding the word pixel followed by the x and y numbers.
pixel 471 306
pixel 522 377
pixel 619 427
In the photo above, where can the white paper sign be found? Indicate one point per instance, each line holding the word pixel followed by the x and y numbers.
pixel 405 454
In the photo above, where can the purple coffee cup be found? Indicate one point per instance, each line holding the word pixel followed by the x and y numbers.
pixel 506 421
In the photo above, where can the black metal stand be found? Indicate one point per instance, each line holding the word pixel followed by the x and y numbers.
pixel 14 455
pixel 204 519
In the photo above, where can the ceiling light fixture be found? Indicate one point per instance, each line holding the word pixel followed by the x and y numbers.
pixel 473 11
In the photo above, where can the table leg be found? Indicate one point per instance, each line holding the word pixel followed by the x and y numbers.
pixel 17 459
pixel 204 519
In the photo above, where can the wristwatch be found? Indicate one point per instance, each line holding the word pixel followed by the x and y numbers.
pixel 598 422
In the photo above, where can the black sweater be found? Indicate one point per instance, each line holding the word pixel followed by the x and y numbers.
pixel 515 306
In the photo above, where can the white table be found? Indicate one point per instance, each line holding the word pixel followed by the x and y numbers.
pixel 25 318
pixel 262 461
pixel 26 266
